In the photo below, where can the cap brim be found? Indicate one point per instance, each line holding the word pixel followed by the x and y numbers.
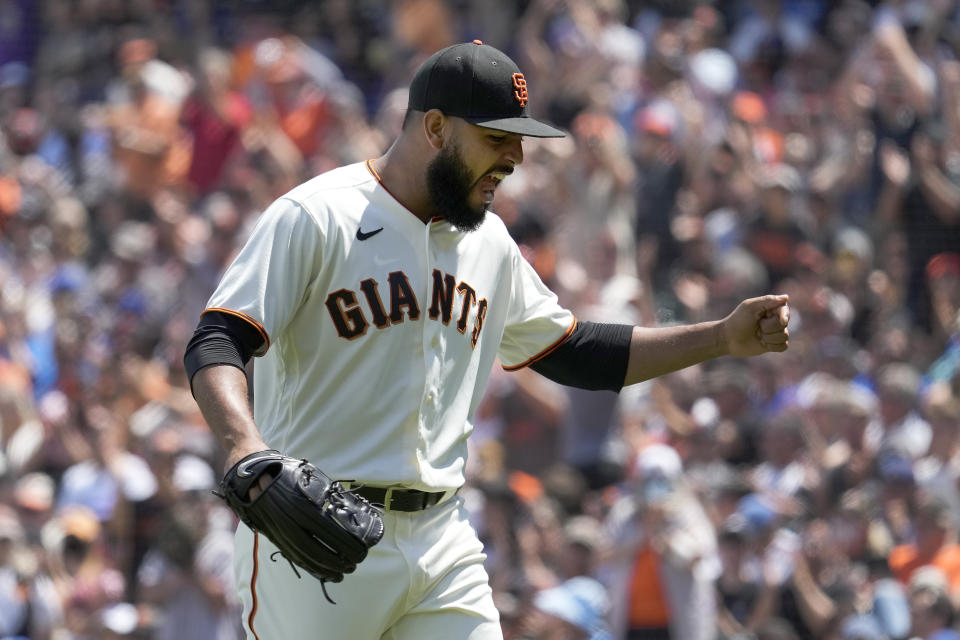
pixel 521 125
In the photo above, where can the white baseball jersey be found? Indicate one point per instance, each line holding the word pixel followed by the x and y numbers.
pixel 381 330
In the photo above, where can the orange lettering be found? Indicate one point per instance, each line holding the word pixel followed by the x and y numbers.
pixel 520 89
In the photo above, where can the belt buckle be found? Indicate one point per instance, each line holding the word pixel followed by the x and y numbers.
pixel 388 498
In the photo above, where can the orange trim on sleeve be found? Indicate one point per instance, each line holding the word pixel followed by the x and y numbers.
pixel 547 351
pixel 243 316
pixel 253 584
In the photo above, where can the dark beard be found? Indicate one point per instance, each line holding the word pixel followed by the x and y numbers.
pixel 449 184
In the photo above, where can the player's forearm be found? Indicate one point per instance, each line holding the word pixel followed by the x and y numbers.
pixel 221 394
pixel 660 350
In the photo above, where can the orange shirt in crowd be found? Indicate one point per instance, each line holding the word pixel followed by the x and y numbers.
pixel 904 560
pixel 648 603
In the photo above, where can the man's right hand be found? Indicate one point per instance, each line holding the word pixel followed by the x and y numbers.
pixel 239 453
pixel 312 520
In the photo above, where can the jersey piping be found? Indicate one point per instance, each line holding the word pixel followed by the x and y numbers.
pixel 373 172
pixel 376 176
pixel 253 584
pixel 545 352
pixel 243 316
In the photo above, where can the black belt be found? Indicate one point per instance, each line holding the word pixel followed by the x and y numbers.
pixel 393 499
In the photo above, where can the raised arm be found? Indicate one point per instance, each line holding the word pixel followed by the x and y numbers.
pixel 612 356
pixel 757 325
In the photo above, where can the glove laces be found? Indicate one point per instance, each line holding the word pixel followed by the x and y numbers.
pixel 323 581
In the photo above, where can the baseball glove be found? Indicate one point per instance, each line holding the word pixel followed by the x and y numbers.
pixel 313 521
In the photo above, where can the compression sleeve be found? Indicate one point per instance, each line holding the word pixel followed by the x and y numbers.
pixel 593 357
pixel 221 338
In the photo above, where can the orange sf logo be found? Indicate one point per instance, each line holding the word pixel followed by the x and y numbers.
pixel 520 89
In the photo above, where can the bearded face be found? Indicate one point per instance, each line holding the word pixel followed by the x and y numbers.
pixel 450 183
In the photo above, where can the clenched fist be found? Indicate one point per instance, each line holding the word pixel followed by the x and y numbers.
pixel 758 325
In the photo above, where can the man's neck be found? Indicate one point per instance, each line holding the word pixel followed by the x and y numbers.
pixel 401 173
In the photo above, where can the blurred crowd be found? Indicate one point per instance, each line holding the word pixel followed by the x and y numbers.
pixel 717 150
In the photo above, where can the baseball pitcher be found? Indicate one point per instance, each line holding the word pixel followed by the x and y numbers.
pixel 377 297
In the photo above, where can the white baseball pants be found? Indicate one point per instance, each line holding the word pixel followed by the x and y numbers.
pixel 424 580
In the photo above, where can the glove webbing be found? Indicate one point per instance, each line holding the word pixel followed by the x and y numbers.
pixel 323 581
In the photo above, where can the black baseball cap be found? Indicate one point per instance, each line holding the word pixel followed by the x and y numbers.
pixel 480 84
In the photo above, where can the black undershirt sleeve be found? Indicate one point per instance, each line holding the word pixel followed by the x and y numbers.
pixel 593 357
pixel 221 338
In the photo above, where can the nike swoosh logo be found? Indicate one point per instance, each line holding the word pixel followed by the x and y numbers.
pixel 361 235
pixel 244 471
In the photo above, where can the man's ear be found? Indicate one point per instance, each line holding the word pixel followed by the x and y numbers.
pixel 436 128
